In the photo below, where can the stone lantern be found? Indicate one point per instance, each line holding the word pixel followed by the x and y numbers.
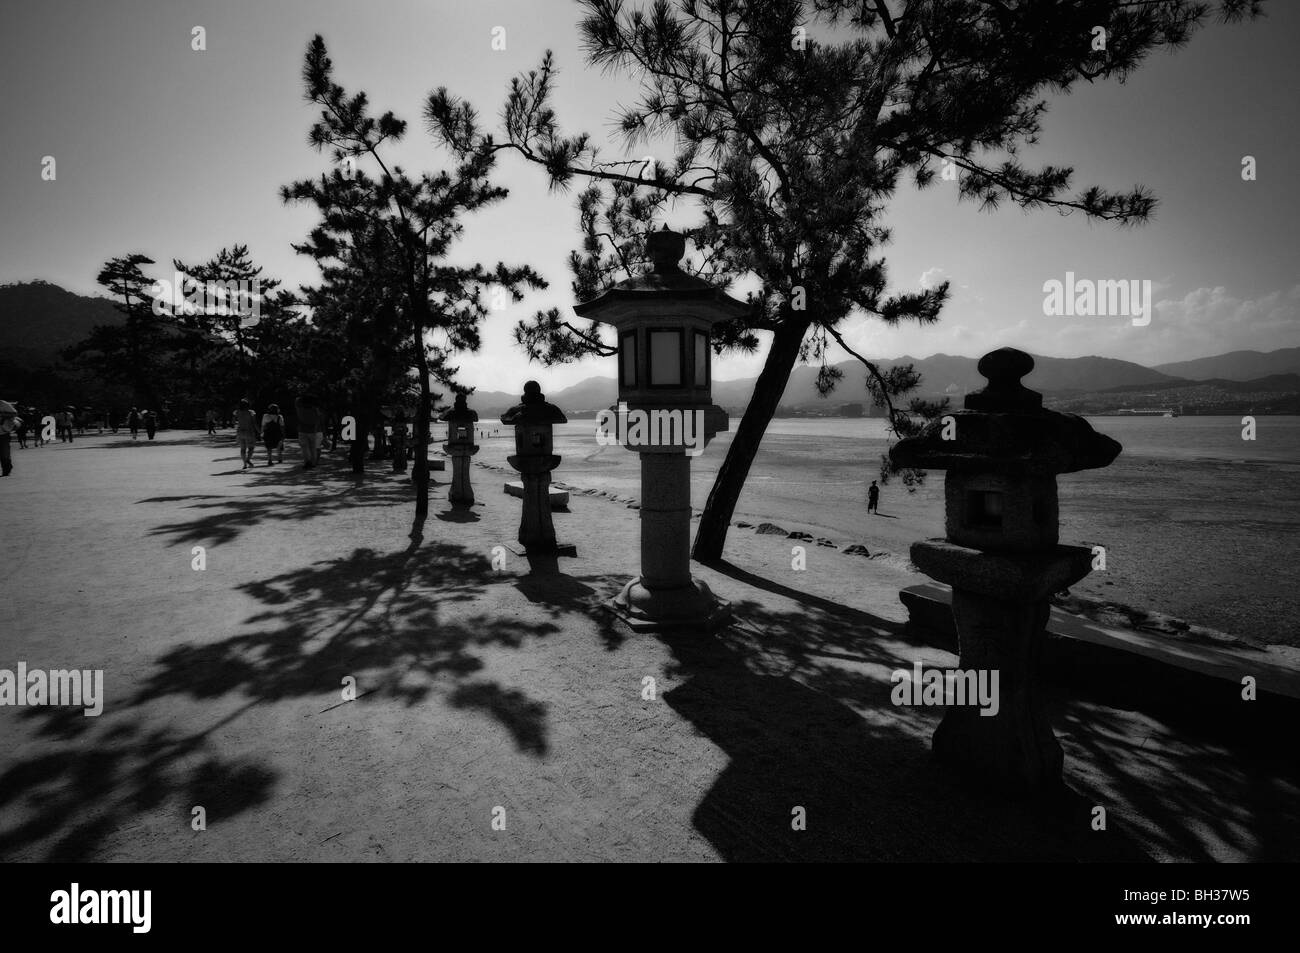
pixel 1002 454
pixel 460 447
pixel 534 420
pixel 665 413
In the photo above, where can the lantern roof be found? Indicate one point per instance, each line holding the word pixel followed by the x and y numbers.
pixel 665 284
pixel 1004 429
pixel 459 412
pixel 534 408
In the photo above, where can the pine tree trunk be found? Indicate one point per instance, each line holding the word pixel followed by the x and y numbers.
pixel 716 519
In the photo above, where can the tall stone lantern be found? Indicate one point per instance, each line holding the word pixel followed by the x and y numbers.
pixel 460 447
pixel 534 419
pixel 1003 560
pixel 665 413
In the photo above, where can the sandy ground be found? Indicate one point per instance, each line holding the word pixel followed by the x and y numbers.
pixel 1190 540
pixel 489 692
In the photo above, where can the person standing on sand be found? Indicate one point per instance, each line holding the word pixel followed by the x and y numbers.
pixel 246 431
pixel 273 433
pixel 309 429
pixel 873 497
pixel 9 424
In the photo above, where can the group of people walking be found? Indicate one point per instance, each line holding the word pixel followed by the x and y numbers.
pixel 393 437
pixel 268 429
pixel 136 419
pixel 21 425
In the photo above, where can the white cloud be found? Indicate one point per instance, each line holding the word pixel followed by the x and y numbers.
pixel 932 277
pixel 1202 323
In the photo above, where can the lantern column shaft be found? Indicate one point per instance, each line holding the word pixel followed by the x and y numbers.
pixel 665 520
pixel 1014 748
pixel 536 529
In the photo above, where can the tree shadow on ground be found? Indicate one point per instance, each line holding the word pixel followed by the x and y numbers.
pixel 68 800
pixel 801 701
pixel 404 624
pixel 164 439
pixel 1199 798
pixel 222 519
pixel 389 620
pixel 558 595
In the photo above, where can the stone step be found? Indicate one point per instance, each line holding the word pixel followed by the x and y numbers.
pixel 559 498
pixel 1074 641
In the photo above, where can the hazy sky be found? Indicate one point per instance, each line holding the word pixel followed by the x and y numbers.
pixel 176 153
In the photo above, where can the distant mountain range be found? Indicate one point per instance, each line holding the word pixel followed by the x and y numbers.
pixel 1088 384
pixel 39 319
pixel 1236 365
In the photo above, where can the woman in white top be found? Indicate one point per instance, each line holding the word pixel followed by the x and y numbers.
pixel 273 433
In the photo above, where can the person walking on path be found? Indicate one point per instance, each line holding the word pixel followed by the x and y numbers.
pixel 873 497
pixel 399 441
pixel 273 433
pixel 133 423
pixel 309 429
pixel 211 418
pixel 9 424
pixel 63 425
pixel 246 431
pixel 20 430
pixel 150 423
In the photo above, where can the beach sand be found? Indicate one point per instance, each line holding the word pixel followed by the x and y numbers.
pixel 1193 544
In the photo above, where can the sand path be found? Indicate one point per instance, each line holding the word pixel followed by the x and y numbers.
pixel 481 688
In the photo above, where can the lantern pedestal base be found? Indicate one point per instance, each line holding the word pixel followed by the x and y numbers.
pixel 1000 607
pixel 693 606
pixel 1014 750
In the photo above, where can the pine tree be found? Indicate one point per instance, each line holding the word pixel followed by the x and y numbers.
pixel 136 352
pixel 794 124
pixel 421 216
